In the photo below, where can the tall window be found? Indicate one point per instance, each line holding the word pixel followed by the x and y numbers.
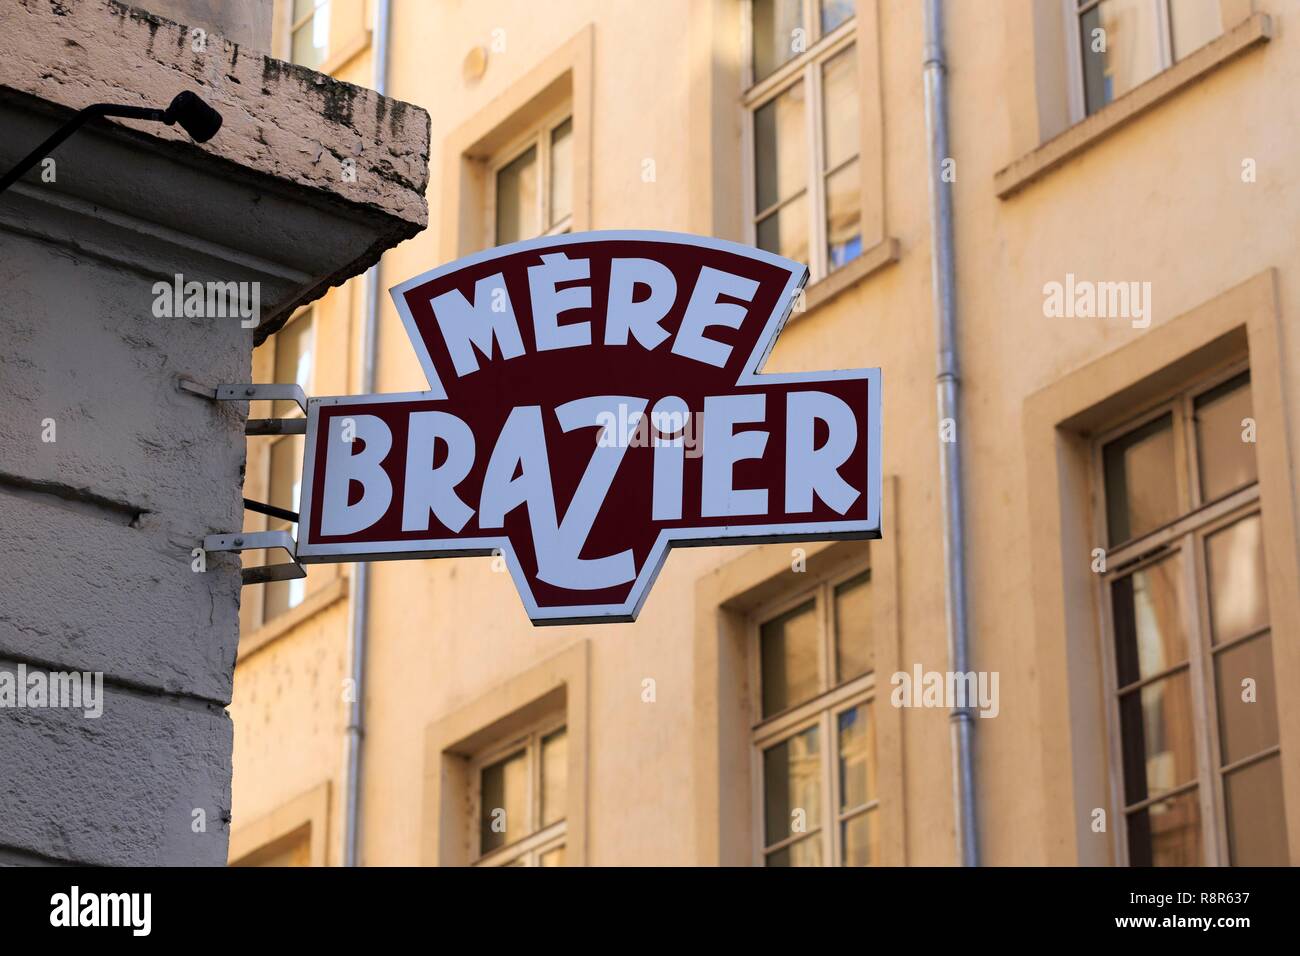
pixel 806 188
pixel 532 184
pixel 519 799
pixel 1189 650
pixel 293 347
pixel 1123 43
pixel 309 32
pixel 815 739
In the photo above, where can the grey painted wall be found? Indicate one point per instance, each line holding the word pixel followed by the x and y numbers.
pixel 110 475
pixel 96 532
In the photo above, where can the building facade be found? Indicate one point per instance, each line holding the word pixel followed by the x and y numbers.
pixel 1124 176
pixel 118 630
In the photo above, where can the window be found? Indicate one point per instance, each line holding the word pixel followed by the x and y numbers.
pixel 532 185
pixel 805 191
pixel 815 739
pixel 519 799
pixel 293 364
pixel 309 32
pixel 1188 649
pixel 1123 43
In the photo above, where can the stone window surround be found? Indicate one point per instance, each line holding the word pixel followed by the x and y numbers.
pixel 561 682
pixel 1059 423
pixel 308 811
pixel 565 76
pixel 725 600
pixel 1046 112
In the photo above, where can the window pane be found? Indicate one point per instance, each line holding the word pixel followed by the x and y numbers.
pixel 774 26
pixel 807 852
pixel 835 12
pixel 1127 52
pixel 1158 746
pixel 1150 632
pixel 853 628
pixel 311 40
pixel 552 857
pixel 789 654
pixel 1256 817
pixel 843 216
pixel 517 199
pixel 555 772
pixel 1193 24
pixel 786 231
pixel 293 359
pixel 503 814
pixel 1246 726
pixel 1226 462
pixel 857 757
pixel 285 492
pixel 792 787
pixel 1234 564
pixel 561 172
pixel 1141 482
pixel 780 149
pixel 286 475
pixel 1167 833
pixel 840 92
pixel 861 839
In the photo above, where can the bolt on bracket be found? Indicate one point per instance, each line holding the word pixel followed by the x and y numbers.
pixel 257 393
pixel 255 540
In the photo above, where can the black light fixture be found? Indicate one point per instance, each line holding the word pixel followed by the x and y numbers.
pixel 193 115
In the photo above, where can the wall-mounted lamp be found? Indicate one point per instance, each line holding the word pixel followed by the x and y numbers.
pixel 193 115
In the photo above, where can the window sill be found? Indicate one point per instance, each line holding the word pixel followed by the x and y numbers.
pixel 1249 33
pixel 278 627
pixel 871 261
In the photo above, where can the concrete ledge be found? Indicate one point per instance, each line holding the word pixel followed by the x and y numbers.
pixel 1251 32
pixel 286 129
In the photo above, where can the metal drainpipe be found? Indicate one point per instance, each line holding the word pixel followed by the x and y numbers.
pixel 948 387
pixel 359 597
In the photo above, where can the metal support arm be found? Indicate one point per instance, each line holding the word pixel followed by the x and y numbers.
pixel 255 540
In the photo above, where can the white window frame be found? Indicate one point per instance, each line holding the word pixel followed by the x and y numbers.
pixel 822 710
pixel 1185 535
pixel 1074 11
pixel 539 840
pixel 540 136
pixel 305 21
pixel 806 66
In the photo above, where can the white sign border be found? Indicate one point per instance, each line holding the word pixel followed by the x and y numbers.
pixel 627 611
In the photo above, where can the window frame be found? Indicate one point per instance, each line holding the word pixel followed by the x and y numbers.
pixel 1184 536
pixel 822 711
pixel 805 67
pixel 539 839
pixel 540 135
pixel 305 314
pixel 1076 87
pixel 305 22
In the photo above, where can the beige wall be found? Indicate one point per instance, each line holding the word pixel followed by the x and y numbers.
pixel 1159 198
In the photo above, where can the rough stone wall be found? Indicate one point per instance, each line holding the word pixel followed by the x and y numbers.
pixel 96 531
pixel 111 475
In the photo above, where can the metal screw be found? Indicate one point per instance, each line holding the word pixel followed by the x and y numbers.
pixel 239 542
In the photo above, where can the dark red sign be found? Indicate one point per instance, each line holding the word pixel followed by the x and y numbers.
pixel 595 399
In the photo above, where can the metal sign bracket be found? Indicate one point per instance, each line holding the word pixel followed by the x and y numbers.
pixel 257 393
pixel 254 540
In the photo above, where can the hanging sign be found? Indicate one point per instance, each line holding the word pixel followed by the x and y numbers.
pixel 594 400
